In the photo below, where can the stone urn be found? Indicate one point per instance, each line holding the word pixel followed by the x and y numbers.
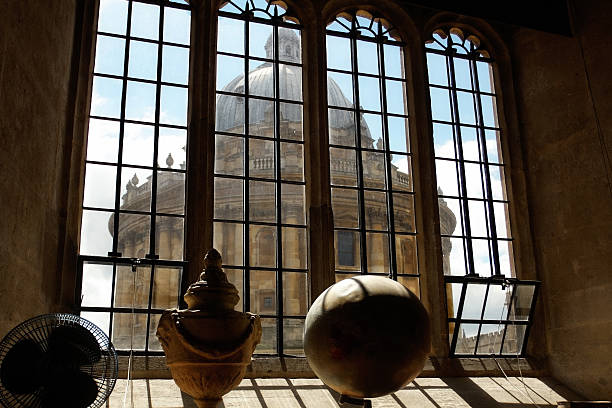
pixel 209 346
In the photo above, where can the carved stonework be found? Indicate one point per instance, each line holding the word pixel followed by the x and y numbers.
pixel 209 345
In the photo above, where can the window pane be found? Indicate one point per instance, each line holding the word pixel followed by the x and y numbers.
pixel 262 202
pixel 166 287
pixel 112 16
pixel 103 140
pixel 411 283
pixel 513 342
pixel 440 108
pixel 339 90
pixel 228 240
pixel 293 204
pixel 488 110
pixel 263 162
pixel 521 303
pixel 369 93
pixel 229 155
pixel 175 64
pixel 106 97
pixel 230 114
pixel 474 301
pixel 263 292
pixel 153 341
pixel 145 21
pixel 230 37
pixel 177 25
pixel 292 161
pixel 454 259
pixel 446 174
pixel 260 79
pixel 396 97
pixel 345 206
pixel 134 231
pixel 469 143
pixel 268 337
pixel 443 140
pixel 403 210
pixel 173 105
pixel 373 169
pixel 348 254
pixel 406 256
pixel 136 189
pixel 96 238
pixel 260 35
pixel 343 166
pixel 378 252
pixel 367 57
pixel 170 237
pixel 140 101
pixel 229 198
pixel 143 60
pixel 466 107
pixel 172 148
pixel 109 55
pixel 262 252
pixel 138 143
pixel 463 78
pixel 393 61
pixel 398 134
pixel 290 50
pixel 230 74
pixel 294 248
pixel 97 285
pixel 261 117
pixel 376 210
pixel 291 118
pixel 338 53
pixel 371 131
pixel 289 78
pixel 122 331
pixel 436 68
pixel 497 302
pixel 100 186
pixel 293 336
pixel 236 278
pixel 132 289
pixel 490 338
pixel 341 127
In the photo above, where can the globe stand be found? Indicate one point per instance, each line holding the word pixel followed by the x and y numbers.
pixel 355 401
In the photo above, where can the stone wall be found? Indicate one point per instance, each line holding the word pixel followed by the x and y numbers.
pixel 36 44
pixel 570 191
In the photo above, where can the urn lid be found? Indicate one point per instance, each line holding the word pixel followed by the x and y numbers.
pixel 212 292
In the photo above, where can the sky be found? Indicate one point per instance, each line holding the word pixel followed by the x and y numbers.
pixel 140 105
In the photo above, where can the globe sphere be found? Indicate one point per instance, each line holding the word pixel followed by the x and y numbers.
pixel 367 336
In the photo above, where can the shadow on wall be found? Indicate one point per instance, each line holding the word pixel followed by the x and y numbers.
pixel 476 392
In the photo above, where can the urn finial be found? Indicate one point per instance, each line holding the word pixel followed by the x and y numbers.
pixel 212 292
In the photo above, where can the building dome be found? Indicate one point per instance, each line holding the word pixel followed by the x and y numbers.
pixel 230 109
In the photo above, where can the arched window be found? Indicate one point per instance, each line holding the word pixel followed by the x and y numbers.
pixel 478 259
pixel 369 149
pixel 259 193
pixel 134 193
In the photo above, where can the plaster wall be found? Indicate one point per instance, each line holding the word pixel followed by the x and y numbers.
pixel 35 68
pixel 570 190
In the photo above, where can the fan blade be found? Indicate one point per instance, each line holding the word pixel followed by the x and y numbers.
pixel 74 345
pixel 18 371
pixel 74 389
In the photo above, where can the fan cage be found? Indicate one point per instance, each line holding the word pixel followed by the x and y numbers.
pixel 104 371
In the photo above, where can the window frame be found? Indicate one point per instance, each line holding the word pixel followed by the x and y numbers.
pixel 198 235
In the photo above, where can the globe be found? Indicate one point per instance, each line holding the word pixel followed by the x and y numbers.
pixel 367 336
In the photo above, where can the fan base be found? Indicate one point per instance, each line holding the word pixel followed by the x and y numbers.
pixel 207 403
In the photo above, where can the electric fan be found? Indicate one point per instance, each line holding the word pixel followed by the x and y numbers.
pixel 56 360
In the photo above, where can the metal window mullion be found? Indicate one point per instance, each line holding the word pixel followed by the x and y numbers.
pixel 459 149
pixel 501 347
pixel 390 208
pixel 112 301
pixel 246 258
pixel 484 305
pixel 153 232
pixel 360 184
pixel 151 277
pixel 277 159
pixel 126 60
pixel 487 176
pixel 458 318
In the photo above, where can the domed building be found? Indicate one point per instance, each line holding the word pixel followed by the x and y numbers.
pixel 229 197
